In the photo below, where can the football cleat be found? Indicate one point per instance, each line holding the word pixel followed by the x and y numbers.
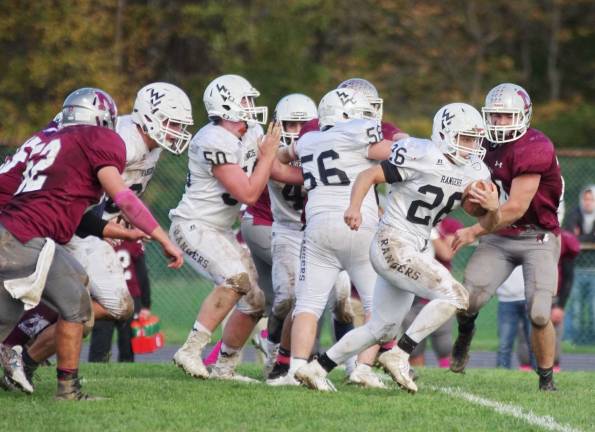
pixel 14 370
pixel 71 390
pixel 396 363
pixel 313 376
pixel 283 380
pixel 546 380
pixel 225 368
pixel 364 376
pixel 460 352
pixel 269 350
pixel 188 356
pixel 279 370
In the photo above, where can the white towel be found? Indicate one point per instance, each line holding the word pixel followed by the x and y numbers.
pixel 30 288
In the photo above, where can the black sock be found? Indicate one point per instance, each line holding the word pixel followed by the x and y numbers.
pixel 326 363
pixel 546 373
pixel 275 329
pixel 466 322
pixel 284 352
pixel 64 374
pixel 28 362
pixel 406 344
pixel 341 329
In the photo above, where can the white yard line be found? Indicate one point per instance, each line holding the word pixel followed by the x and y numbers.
pixel 546 422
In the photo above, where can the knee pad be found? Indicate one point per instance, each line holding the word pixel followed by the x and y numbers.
pixel 282 308
pixel 127 307
pixel 253 303
pixel 540 308
pixel 239 283
pixel 82 313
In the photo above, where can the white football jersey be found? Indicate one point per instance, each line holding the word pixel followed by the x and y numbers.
pixel 331 161
pixel 425 187
pixel 205 199
pixel 140 163
pixel 287 204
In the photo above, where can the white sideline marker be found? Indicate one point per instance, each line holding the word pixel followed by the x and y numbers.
pixel 546 422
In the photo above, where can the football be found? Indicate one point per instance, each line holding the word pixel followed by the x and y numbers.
pixel 473 209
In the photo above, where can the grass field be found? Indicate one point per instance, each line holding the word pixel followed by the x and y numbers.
pixel 162 398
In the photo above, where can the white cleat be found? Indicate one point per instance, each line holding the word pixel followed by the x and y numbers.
pixel 268 349
pixel 188 356
pixel 364 376
pixel 285 380
pixel 225 369
pixel 313 376
pixel 396 363
pixel 14 370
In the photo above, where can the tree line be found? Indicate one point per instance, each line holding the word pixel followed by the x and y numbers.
pixel 420 54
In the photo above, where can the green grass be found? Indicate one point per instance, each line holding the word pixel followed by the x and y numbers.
pixel 162 398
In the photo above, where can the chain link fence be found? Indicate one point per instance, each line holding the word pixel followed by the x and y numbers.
pixel 176 295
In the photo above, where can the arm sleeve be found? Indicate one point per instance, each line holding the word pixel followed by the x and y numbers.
pixel 91 224
pixel 142 275
pixel 391 172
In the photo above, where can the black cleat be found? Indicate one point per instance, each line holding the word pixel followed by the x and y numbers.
pixel 460 352
pixel 279 370
pixel 546 380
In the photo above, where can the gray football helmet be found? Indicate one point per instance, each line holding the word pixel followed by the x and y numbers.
pixel 90 106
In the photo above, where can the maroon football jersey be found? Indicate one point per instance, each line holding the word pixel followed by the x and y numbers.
pixel 11 172
pixel 60 182
pixel 533 153
pixel 128 253
pixel 261 210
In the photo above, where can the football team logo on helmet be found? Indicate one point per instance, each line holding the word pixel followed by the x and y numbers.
pixel 345 98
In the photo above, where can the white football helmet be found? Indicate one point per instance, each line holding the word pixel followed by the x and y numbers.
pixel 231 97
pixel 164 112
pixel 90 106
pixel 450 123
pixel 341 105
pixel 295 107
pixel 507 99
pixel 367 88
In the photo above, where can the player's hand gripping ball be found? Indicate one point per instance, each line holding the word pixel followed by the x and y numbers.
pixel 469 204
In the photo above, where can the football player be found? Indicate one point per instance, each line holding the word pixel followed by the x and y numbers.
pixel 523 163
pixel 427 179
pixel 349 141
pixel 285 207
pixel 66 172
pixel 159 119
pixel 223 174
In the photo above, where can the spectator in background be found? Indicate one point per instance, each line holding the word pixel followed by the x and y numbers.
pixel 580 319
pixel 441 339
pixel 132 257
pixel 512 318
